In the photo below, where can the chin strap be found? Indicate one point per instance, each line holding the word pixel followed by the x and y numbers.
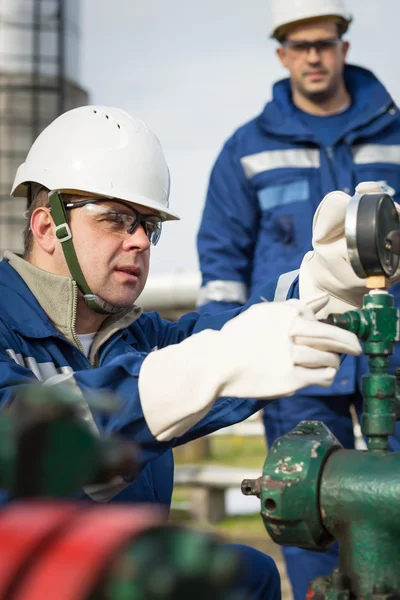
pixel 64 235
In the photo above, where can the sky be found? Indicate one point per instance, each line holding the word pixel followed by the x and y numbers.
pixel 195 71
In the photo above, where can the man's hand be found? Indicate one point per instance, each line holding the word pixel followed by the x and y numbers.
pixel 327 268
pixel 267 351
pixel 283 349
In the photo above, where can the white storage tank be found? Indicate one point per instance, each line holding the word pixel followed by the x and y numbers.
pixel 39 33
pixel 39 79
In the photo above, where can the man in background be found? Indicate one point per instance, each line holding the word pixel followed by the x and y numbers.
pixel 329 126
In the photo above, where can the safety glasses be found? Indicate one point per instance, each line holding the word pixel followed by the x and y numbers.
pixel 116 217
pixel 303 47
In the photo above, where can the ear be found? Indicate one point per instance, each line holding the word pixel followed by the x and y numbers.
pixel 42 227
pixel 281 53
pixel 345 49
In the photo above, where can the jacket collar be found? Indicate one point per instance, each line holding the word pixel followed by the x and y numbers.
pixel 40 304
pixel 368 95
pixel 19 307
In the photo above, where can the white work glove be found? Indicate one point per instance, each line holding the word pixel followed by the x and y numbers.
pixel 327 268
pixel 267 351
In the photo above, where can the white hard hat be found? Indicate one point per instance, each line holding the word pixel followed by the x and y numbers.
pixel 99 150
pixel 288 12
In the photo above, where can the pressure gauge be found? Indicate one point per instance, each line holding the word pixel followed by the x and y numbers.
pixel 372 230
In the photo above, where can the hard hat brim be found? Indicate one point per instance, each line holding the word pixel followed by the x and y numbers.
pixel 281 32
pixel 21 191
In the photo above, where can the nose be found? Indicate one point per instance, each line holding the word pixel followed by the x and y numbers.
pixel 138 239
pixel 313 56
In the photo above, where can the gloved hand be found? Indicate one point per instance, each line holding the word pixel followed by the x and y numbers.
pixel 267 351
pixel 327 268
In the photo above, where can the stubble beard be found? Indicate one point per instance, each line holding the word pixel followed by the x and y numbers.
pixel 318 96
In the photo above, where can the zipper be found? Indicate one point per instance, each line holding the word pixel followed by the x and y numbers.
pixel 329 149
pixel 99 359
pixel 74 311
pixel 329 154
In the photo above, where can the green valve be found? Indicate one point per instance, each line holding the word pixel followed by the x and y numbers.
pixel 314 492
pixel 377 325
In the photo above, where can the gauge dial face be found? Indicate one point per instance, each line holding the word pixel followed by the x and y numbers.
pixel 370 218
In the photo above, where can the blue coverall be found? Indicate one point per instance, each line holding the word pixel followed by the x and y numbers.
pixel 32 348
pixel 263 191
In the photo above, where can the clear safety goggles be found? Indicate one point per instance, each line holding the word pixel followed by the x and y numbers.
pixel 113 216
pixel 303 47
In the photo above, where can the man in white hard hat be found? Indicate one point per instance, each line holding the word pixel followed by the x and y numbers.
pixel 97 186
pixel 329 126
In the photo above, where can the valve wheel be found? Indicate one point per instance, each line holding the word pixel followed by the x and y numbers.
pixel 50 550
pixel 25 529
pixel 72 566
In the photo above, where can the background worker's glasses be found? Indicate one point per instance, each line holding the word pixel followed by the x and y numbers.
pixel 303 47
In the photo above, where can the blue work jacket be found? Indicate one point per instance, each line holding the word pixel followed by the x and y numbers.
pixel 32 348
pixel 268 181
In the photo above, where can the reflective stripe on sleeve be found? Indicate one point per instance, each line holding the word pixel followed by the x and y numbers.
pixel 222 291
pixel 47 373
pixel 42 371
pixel 283 285
pixel 15 357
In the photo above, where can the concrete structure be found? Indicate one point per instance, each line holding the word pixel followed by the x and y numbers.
pixel 209 484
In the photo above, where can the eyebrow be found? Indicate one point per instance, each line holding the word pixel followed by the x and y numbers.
pixel 326 39
pixel 117 209
pixel 116 206
pixel 130 210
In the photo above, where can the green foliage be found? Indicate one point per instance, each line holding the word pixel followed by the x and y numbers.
pixel 233 451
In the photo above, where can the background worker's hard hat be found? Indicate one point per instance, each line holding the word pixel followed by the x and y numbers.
pixel 286 13
pixel 102 151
